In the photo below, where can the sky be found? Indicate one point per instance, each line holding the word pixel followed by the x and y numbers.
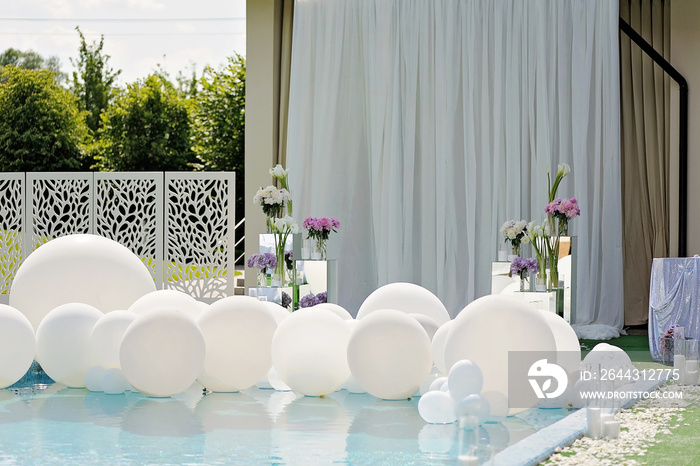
pixel 139 35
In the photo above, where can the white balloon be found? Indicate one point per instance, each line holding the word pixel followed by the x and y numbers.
pixel 389 354
pixel 610 358
pixel 106 336
pixel 428 324
pixel 438 383
pixel 427 383
pixel 86 269
pixel 352 386
pixel 438 345
pixel 405 297
pixel 437 407
pixel 473 405
pixel 238 334
pixel 162 352
pixel 465 378
pixel 17 339
pixel 498 403
pixel 62 342
pixel 275 381
pixel 309 351
pixel 487 329
pixel 167 299
pixel 280 313
pixel 113 381
pixel 338 310
pixel 568 346
pixel 93 378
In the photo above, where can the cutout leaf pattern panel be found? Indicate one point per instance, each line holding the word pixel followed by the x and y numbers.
pixel 197 236
pixel 11 220
pixel 126 211
pixel 60 207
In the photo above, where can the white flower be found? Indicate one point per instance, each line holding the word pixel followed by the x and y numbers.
pixel 563 169
pixel 279 172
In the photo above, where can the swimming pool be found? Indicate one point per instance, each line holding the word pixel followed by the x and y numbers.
pixel 52 424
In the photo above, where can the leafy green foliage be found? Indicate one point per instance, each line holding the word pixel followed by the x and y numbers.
pixel 219 122
pixel 30 60
pixel 147 127
pixel 41 128
pixel 93 82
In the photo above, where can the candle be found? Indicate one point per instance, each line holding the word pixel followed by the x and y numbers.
pixel 691 377
pixel 594 425
pixel 611 429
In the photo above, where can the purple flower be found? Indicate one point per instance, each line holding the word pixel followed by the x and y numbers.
pixel 262 261
pixel 309 300
pixel 519 266
pixel 322 297
pixel 320 228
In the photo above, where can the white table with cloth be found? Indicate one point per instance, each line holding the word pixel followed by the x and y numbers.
pixel 674 298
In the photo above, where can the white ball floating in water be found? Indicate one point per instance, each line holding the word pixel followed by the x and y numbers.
pixel 106 336
pixel 93 378
pixel 405 297
pixel 17 339
pixel 86 269
pixel 389 354
pixel 437 407
pixel 309 351
pixel 113 381
pixel 238 334
pixel 465 378
pixel 475 337
pixel 167 299
pixel 162 352
pixel 62 342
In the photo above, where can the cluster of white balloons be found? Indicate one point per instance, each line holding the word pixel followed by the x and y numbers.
pixel 100 323
pixel 456 396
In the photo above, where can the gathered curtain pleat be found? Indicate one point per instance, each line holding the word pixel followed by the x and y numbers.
pixel 424 125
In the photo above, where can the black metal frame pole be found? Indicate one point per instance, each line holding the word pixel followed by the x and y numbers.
pixel 682 132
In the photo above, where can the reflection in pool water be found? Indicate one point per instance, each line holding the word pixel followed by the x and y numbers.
pixel 55 424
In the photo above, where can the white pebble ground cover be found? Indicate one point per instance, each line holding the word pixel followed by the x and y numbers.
pixel 640 426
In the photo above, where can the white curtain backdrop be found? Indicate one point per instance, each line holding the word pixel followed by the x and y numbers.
pixel 423 125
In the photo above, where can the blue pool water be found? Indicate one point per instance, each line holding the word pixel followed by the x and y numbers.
pixel 52 424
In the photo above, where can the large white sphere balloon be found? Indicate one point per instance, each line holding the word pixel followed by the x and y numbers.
pixel 437 407
pixel 568 346
pixel 428 324
pixel 465 378
pixel 487 329
pixel 62 342
pixel 609 358
pixel 405 297
pixel 113 381
pixel 93 378
pixel 168 299
pixel 278 312
pixel 162 352
pixel 18 341
pixel 238 334
pixel 86 269
pixel 389 354
pixel 339 310
pixel 309 351
pixel 106 336
pixel 438 345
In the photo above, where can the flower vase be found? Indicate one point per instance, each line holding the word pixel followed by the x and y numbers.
pixel 262 278
pixel 523 281
pixel 541 282
pixel 514 251
pixel 666 350
pixel 319 250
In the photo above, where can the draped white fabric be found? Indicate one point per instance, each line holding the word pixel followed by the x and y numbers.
pixel 424 125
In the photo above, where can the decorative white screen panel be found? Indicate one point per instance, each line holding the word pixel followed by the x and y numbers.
pixel 129 210
pixel 11 227
pixel 59 204
pixel 199 234
pixel 184 232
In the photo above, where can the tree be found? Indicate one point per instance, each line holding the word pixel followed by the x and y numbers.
pixel 41 128
pixel 93 82
pixel 147 127
pixel 30 60
pixel 219 122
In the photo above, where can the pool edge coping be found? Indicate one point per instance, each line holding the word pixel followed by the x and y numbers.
pixel 538 447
